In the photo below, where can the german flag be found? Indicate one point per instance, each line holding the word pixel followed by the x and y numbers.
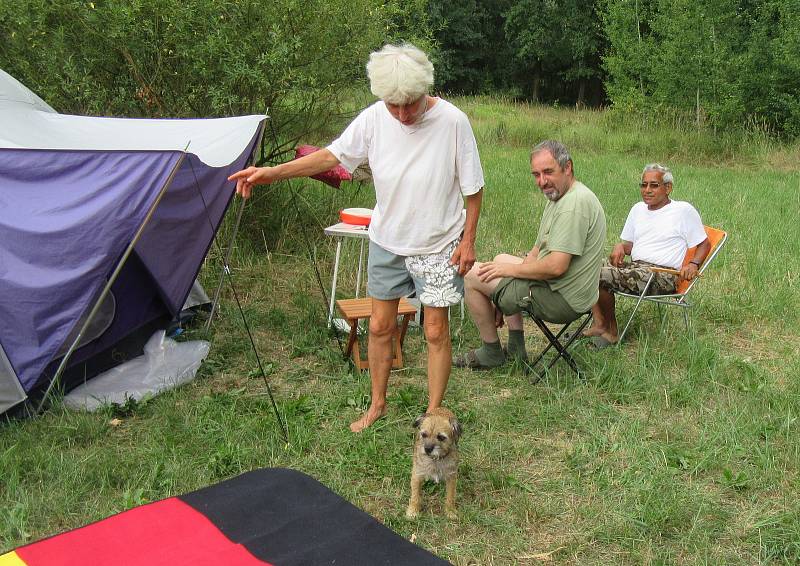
pixel 272 516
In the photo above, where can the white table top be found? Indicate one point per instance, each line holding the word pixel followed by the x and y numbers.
pixel 347 230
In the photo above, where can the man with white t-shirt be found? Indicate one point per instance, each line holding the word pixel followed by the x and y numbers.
pixel 425 168
pixel 657 233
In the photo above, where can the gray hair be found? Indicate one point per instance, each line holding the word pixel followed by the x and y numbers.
pixel 557 150
pixel 666 174
pixel 399 74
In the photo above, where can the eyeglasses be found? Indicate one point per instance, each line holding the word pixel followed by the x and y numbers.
pixel 651 184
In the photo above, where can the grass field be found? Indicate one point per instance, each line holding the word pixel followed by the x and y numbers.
pixel 679 448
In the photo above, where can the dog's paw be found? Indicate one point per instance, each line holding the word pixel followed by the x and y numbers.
pixel 412 513
pixel 451 513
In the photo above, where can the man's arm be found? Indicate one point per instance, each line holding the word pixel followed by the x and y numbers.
pixel 311 164
pixel 553 265
pixel 619 252
pixel 532 255
pixel 689 271
pixel 464 254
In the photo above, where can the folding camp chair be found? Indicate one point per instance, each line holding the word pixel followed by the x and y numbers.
pixel 717 239
pixel 554 341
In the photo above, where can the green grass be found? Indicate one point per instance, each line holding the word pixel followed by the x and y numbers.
pixel 679 448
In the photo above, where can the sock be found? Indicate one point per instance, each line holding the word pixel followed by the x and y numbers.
pixel 516 344
pixel 491 354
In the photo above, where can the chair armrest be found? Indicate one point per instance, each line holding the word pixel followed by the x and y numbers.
pixel 668 270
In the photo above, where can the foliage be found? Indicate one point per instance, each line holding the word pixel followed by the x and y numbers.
pixel 171 58
pixel 558 42
pixel 472 55
pixel 727 63
pixel 536 49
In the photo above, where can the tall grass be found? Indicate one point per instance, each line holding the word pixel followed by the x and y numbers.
pixel 680 447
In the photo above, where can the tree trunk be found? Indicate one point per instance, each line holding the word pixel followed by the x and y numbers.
pixel 537 79
pixel 581 93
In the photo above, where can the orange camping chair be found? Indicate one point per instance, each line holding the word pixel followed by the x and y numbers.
pixel 717 239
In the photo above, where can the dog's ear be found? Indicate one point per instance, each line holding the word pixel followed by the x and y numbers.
pixel 419 420
pixel 456 426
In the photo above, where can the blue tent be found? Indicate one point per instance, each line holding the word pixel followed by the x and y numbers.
pixel 104 224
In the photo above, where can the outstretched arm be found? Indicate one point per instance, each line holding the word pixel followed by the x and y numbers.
pixel 311 164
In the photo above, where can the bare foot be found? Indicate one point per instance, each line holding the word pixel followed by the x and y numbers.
pixel 595 331
pixel 367 419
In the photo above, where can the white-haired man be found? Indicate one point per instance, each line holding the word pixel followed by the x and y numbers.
pixel 556 280
pixel 657 233
pixel 425 164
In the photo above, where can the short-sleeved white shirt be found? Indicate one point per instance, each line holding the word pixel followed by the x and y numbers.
pixel 662 236
pixel 420 174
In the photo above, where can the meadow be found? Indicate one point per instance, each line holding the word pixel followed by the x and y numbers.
pixel 680 447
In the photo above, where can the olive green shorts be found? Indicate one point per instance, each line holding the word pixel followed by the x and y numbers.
pixel 514 295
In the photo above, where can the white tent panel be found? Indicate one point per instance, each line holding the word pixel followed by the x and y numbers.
pixel 28 122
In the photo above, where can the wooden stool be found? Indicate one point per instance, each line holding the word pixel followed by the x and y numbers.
pixel 358 309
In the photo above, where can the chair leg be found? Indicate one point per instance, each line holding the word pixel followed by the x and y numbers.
pixel 554 341
pixel 639 302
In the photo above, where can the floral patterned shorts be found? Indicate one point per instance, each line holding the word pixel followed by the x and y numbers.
pixel 436 282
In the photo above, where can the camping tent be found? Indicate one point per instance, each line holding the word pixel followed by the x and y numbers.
pixel 104 224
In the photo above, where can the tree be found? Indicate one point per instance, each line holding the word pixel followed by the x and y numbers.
pixel 159 58
pixel 471 55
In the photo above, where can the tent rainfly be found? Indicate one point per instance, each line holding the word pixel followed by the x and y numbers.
pixel 104 224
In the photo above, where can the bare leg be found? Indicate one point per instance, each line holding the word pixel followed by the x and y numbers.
pixel 382 325
pixel 437 335
pixel 481 308
pixel 604 317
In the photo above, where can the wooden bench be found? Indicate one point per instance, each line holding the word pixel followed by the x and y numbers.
pixel 355 310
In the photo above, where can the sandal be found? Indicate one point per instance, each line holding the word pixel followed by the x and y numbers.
pixel 470 360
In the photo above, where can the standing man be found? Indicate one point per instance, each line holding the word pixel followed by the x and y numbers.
pixel 657 233
pixel 425 164
pixel 557 280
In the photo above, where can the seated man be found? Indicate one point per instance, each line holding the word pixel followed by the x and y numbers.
pixel 557 280
pixel 657 233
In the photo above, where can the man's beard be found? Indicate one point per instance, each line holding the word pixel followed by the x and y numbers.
pixel 551 194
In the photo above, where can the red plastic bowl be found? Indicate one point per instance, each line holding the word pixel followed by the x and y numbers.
pixel 357 216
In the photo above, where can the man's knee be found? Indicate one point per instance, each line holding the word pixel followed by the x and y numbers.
pixel 471 279
pixel 506 258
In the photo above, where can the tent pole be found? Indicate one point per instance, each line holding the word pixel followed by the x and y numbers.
pixel 225 265
pixel 62 366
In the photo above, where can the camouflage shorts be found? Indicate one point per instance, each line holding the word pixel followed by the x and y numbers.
pixel 632 278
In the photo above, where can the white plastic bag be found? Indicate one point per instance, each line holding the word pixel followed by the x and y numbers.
pixel 165 364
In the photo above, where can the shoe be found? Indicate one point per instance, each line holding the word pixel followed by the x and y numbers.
pixel 470 360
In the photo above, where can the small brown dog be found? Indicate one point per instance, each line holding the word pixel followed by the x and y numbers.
pixel 435 457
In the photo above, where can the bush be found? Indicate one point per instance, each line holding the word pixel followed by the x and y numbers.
pixel 172 58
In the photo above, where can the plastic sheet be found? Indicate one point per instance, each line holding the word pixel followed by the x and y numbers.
pixel 164 365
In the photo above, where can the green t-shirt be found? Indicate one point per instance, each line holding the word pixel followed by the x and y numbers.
pixel 575 224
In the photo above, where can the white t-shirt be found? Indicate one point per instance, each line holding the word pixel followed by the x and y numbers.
pixel 420 174
pixel 662 236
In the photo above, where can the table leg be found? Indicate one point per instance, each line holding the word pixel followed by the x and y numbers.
pixel 360 263
pixel 335 277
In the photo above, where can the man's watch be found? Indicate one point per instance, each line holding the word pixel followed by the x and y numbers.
pixel 697 263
